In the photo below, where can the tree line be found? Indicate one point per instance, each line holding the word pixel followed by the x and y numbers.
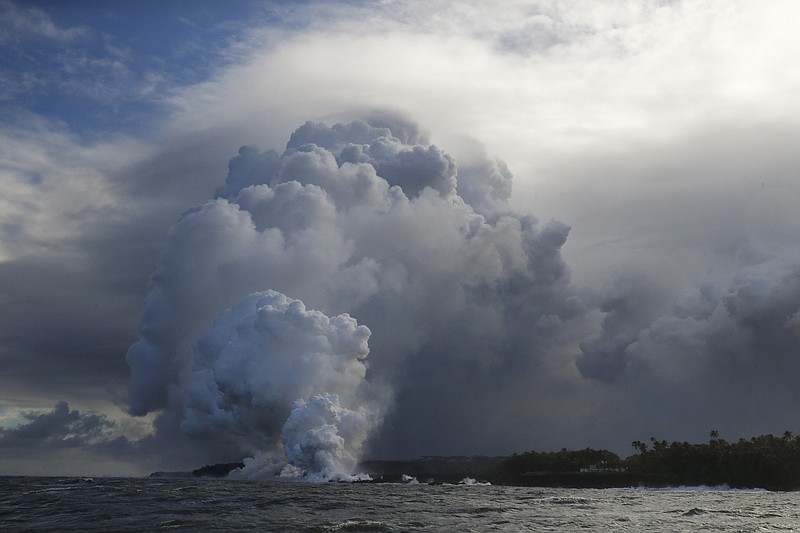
pixel 767 461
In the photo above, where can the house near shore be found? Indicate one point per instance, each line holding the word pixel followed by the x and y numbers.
pixel 602 467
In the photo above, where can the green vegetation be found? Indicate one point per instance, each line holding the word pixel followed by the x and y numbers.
pixel 563 461
pixel 564 468
pixel 765 461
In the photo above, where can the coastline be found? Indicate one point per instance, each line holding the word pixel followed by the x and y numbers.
pixel 454 470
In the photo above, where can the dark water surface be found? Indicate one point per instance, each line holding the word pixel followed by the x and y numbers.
pixel 128 504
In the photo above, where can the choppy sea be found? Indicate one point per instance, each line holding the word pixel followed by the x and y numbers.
pixel 128 504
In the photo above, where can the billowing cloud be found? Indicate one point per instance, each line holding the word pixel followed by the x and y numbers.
pixel 737 325
pixel 354 219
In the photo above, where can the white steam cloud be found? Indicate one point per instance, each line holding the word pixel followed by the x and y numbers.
pixel 271 373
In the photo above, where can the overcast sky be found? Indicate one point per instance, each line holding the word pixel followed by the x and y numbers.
pixel 563 224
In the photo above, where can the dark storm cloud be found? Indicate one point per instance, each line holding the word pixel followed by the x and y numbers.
pixel 65 317
pixel 65 441
pixel 86 237
pixel 627 309
pixel 59 428
pixel 736 329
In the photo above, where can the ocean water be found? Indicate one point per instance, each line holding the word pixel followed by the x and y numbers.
pixel 126 504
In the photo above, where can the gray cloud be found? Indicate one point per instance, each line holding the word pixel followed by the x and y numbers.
pixel 59 428
pixel 64 441
pixel 736 329
pixel 627 308
pixel 75 269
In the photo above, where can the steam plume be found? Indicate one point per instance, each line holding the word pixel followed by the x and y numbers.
pixel 362 218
